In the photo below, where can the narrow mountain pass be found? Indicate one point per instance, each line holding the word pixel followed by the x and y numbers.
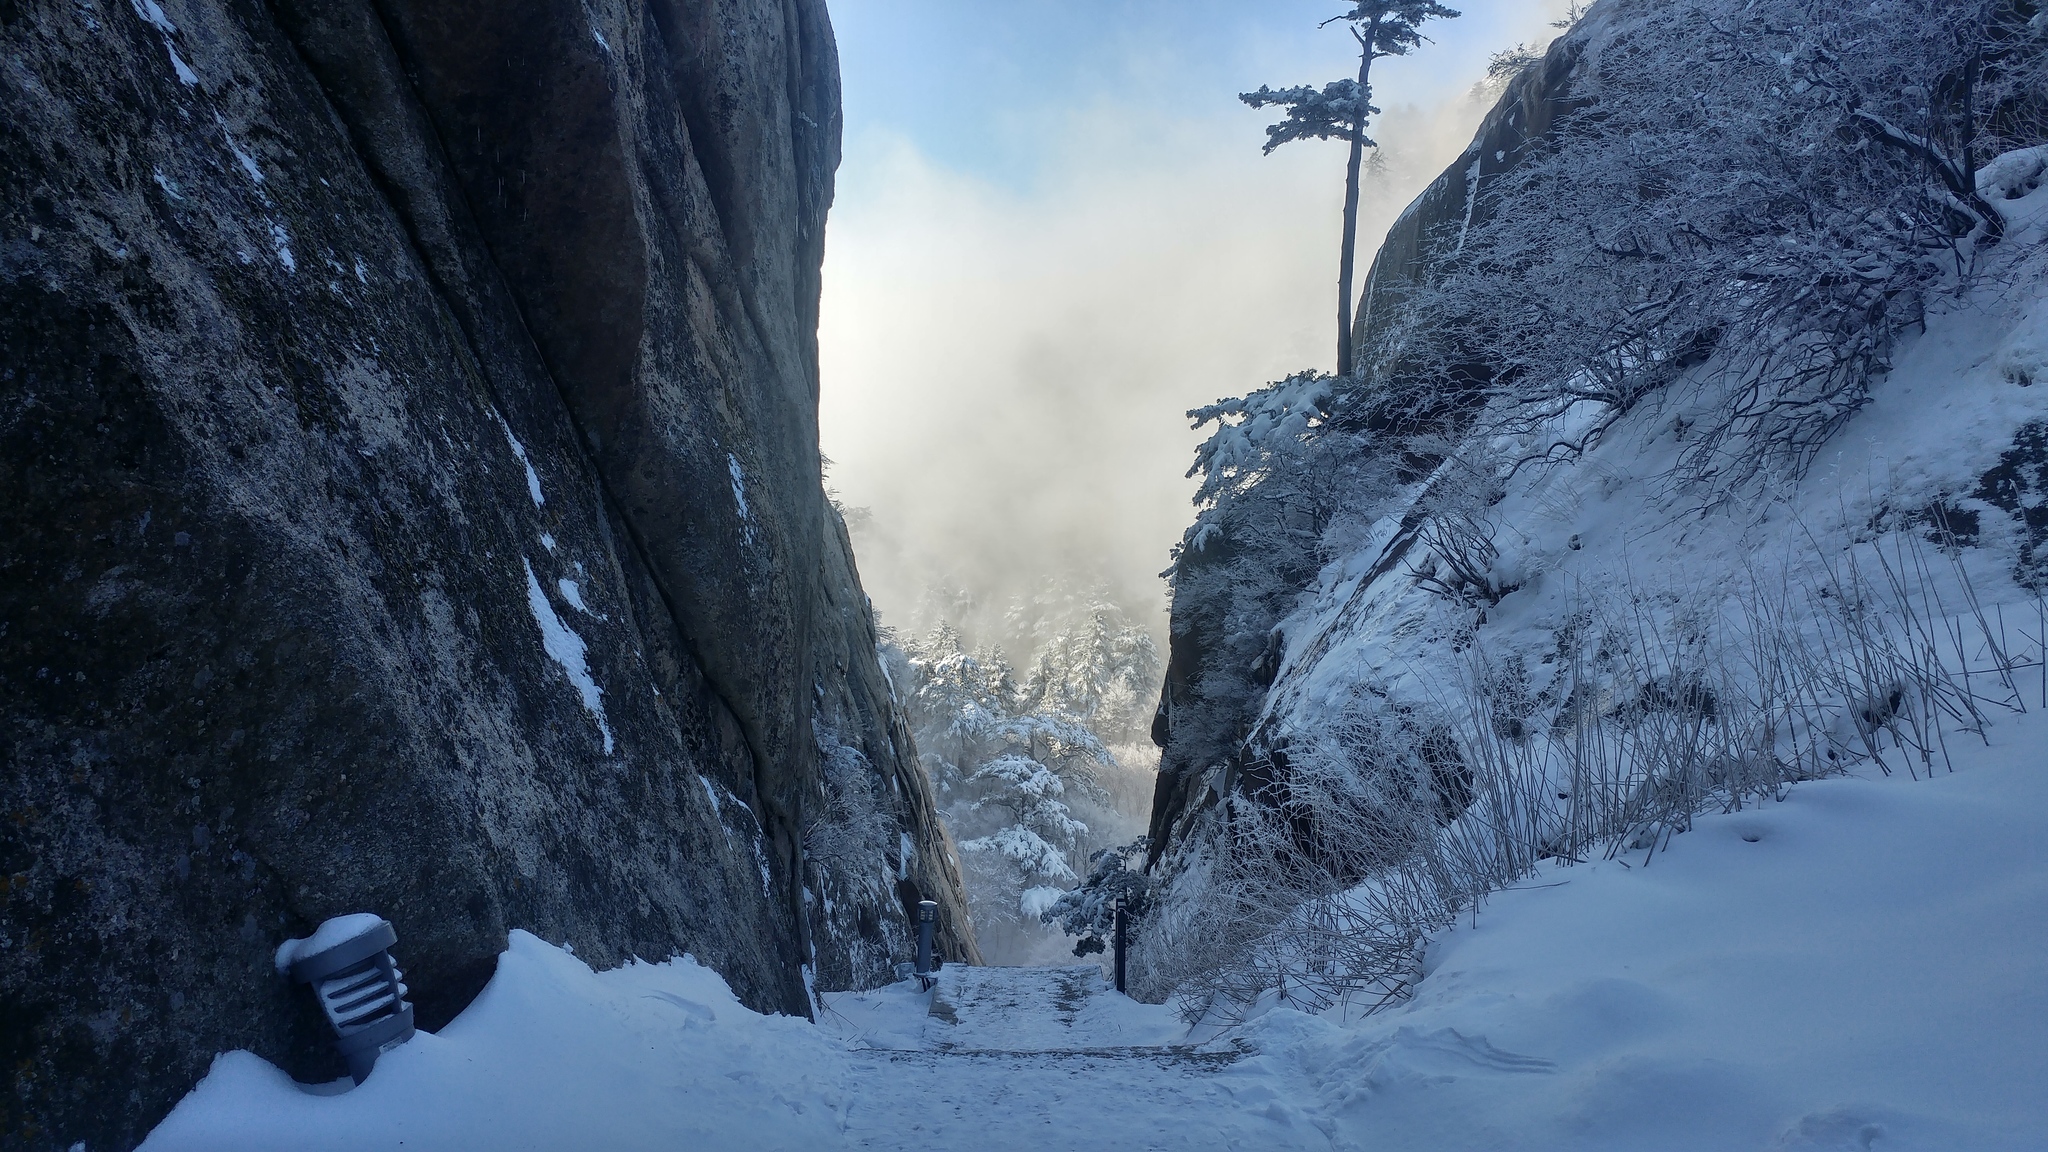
pixel 1856 966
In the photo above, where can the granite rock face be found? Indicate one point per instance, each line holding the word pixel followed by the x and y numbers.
pixel 410 503
pixel 1535 100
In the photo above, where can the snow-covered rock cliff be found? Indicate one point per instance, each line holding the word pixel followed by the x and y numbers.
pixel 1701 388
pixel 410 502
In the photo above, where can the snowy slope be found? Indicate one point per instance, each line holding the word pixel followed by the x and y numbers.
pixel 1610 529
pixel 1864 965
pixel 1861 966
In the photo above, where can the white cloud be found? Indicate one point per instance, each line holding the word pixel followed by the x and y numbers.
pixel 1005 370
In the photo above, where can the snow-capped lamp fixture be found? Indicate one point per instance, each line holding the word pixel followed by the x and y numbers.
pixel 348 962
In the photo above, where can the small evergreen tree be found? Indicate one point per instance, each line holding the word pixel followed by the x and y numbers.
pixel 1103 672
pixel 1022 865
pixel 1341 111
pixel 1089 909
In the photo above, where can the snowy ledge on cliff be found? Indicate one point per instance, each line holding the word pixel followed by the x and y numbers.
pixel 1861 966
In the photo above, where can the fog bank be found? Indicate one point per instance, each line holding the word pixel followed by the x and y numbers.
pixel 1007 361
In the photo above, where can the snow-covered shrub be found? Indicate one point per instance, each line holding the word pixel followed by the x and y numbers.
pixel 853 857
pixel 1328 811
pixel 1319 885
pixel 1088 910
pixel 856 819
pixel 1460 559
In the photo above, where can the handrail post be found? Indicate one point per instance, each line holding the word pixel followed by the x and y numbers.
pixel 1120 919
pixel 927 918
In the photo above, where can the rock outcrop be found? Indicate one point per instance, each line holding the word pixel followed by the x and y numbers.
pixel 410 502
pixel 1534 101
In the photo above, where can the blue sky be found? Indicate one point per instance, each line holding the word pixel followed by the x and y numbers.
pixel 978 86
pixel 1054 234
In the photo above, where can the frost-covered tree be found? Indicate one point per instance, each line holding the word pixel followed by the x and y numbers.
pixel 955 700
pixel 1342 110
pixel 1020 867
pixel 1102 671
pixel 1032 797
pixel 1281 492
pixel 1088 910
pixel 1011 764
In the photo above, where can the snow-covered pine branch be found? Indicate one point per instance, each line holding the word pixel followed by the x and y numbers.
pixel 1254 430
pixel 1088 909
pixel 1334 112
pixel 1342 110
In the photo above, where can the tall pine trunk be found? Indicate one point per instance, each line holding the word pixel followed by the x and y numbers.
pixel 1346 258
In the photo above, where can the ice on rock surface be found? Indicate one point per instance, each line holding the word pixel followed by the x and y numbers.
pixel 282 242
pixel 567 650
pixel 739 497
pixel 183 71
pixel 519 450
pixel 574 595
pixel 153 15
pixel 249 166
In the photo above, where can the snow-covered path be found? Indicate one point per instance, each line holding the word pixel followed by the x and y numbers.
pixel 1056 1053
pixel 1863 966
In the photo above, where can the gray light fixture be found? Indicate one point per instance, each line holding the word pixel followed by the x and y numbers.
pixel 359 987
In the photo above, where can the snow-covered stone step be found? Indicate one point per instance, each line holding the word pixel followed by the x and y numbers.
pixel 971 1010
pixel 1070 1009
pixel 1047 1060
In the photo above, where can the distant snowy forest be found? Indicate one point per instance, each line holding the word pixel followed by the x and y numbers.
pixel 1040 766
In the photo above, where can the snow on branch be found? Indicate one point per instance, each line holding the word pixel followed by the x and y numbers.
pixel 1339 111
